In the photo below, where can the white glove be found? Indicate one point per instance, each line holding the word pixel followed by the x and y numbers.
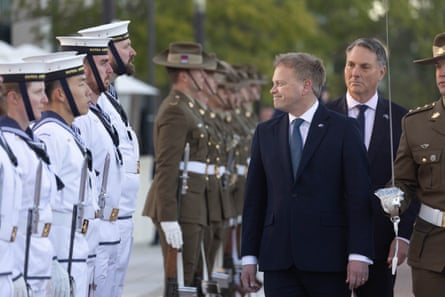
pixel 60 281
pixel 390 199
pixel 173 234
pixel 20 289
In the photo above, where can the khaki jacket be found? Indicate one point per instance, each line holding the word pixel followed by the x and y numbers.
pixel 176 124
pixel 419 172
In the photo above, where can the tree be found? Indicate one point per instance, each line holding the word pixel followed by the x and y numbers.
pixel 255 31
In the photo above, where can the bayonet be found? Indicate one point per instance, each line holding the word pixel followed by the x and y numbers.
pixel 103 190
pixel 81 223
pixel 230 167
pixel 35 207
pixel 184 176
pixel 33 217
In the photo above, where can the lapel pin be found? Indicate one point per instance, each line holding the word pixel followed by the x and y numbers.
pixel 320 125
pixel 386 116
pixel 435 115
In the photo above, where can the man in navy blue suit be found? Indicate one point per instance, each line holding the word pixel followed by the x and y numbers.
pixel 365 66
pixel 307 226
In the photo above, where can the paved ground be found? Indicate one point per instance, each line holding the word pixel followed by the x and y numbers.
pixel 144 277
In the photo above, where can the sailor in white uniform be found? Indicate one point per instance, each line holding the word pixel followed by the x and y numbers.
pixel 25 98
pixel 121 55
pixel 68 97
pixel 101 138
pixel 10 202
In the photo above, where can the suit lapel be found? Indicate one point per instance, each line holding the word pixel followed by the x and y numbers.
pixel 317 130
pixel 282 130
pixel 341 106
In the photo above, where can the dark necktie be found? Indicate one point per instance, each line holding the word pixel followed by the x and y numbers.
pixel 361 119
pixel 296 145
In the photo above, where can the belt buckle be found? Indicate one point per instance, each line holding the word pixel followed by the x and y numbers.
pixel 13 233
pixel 114 213
pixel 84 227
pixel 46 229
pixel 96 214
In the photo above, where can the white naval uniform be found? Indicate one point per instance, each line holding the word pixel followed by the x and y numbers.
pixel 67 157
pixel 98 140
pixel 10 202
pixel 129 147
pixel 41 251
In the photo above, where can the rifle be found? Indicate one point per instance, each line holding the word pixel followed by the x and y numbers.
pixel 76 223
pixel 103 189
pixel 32 223
pixel 209 287
pixel 230 167
pixel 174 273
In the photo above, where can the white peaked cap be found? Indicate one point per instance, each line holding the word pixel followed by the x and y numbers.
pixel 61 64
pixel 50 56
pixel 83 41
pixel 22 71
pixel 116 31
pixel 66 63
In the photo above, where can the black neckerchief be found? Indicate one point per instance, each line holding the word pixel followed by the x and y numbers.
pixel 104 118
pixel 52 117
pixel 8 150
pixel 35 144
pixel 120 110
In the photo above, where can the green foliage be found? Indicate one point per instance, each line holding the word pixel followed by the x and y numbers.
pixel 255 31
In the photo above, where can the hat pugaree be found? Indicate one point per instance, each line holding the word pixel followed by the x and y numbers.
pixel 116 31
pixel 185 55
pixel 438 50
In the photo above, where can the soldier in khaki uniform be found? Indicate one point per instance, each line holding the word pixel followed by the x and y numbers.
pixel 418 166
pixel 177 123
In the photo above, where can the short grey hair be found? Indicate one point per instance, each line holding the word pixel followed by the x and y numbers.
pixel 306 66
pixel 374 45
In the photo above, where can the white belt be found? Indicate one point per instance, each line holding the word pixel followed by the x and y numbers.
pixel 8 232
pixel 132 166
pixel 43 229
pixel 90 213
pixel 432 215
pixel 110 214
pixel 222 170
pixel 211 169
pixel 241 170
pixel 194 166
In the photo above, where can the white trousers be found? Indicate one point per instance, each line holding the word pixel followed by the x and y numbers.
pixel 6 286
pixel 106 259
pixel 126 228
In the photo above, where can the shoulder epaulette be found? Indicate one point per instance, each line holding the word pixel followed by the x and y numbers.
pixel 421 108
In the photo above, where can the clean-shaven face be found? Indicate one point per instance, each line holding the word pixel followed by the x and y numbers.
pixel 362 73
